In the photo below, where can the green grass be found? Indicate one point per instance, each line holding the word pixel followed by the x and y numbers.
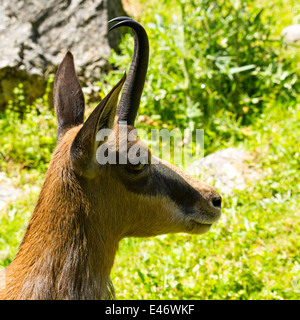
pixel 252 253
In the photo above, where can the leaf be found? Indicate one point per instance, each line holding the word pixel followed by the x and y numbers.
pixel 242 69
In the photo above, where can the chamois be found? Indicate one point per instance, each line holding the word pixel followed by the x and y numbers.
pixel 86 208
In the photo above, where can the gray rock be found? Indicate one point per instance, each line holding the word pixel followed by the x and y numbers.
pixel 291 33
pixel 228 170
pixel 38 33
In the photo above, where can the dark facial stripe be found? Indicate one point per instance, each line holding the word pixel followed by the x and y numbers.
pixel 172 186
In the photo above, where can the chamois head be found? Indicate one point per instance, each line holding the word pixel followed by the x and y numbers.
pixel 132 197
pixel 86 205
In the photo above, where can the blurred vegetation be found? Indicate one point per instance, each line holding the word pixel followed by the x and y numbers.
pixel 210 63
pixel 28 132
pixel 213 65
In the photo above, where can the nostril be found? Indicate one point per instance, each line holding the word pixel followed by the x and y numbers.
pixel 217 202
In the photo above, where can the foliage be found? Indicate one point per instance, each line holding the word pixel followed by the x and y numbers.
pixel 252 253
pixel 211 60
pixel 28 133
pixel 28 143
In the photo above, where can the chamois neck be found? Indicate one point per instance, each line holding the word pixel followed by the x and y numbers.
pixel 64 254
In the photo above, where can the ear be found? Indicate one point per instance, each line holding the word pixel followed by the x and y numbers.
pixel 84 146
pixel 68 97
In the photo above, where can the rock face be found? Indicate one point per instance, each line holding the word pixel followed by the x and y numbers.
pixel 291 33
pixel 36 34
pixel 228 170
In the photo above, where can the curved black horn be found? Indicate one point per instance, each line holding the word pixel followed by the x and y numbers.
pixel 133 87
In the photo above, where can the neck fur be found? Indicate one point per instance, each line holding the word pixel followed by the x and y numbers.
pixel 64 253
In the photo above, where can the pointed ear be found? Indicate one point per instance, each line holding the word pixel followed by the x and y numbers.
pixel 68 97
pixel 84 146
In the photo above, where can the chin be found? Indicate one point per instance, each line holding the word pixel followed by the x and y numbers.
pixel 198 228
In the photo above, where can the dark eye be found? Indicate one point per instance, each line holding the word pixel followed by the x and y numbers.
pixel 139 167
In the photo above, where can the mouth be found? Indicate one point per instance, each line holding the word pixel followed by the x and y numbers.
pixel 196 227
pixel 200 221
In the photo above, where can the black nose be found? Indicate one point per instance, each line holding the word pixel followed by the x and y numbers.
pixel 217 202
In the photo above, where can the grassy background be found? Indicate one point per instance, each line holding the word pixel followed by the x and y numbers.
pixel 253 252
